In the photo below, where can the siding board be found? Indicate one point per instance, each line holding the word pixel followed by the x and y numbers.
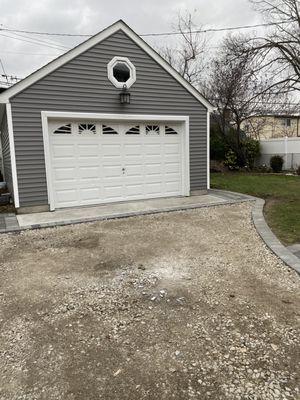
pixel 82 85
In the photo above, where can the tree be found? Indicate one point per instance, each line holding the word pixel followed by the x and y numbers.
pixel 239 91
pixel 187 56
pixel 280 47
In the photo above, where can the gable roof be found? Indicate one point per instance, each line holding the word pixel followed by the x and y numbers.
pixel 99 37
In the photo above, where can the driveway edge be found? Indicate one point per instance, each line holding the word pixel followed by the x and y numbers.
pixel 270 239
pixel 123 215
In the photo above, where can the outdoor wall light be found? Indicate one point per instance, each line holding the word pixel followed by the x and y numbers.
pixel 125 96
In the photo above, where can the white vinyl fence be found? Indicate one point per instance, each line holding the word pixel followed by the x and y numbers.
pixel 288 148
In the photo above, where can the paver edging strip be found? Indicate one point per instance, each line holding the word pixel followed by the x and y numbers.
pixel 270 239
pixel 124 215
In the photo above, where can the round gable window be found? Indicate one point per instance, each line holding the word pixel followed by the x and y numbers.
pixel 121 72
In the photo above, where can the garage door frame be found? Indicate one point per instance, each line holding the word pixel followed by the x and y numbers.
pixel 46 115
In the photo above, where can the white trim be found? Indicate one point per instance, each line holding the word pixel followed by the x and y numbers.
pixel 112 117
pixel 46 140
pixel 119 25
pixel 126 61
pixel 208 149
pixel 12 155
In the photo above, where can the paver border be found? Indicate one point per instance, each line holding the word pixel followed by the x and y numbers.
pixel 228 200
pixel 270 239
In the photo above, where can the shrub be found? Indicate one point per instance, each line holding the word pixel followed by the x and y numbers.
pixel 231 160
pixel 264 169
pixel 276 163
pixel 298 170
pixel 217 145
pixel 251 149
pixel 217 166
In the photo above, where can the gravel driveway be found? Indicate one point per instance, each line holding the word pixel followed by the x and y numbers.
pixel 185 305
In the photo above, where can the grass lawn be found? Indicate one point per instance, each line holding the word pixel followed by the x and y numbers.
pixel 282 195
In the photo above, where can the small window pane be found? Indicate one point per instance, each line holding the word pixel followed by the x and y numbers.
pixel 121 72
pixel 107 130
pixel 135 130
pixel 152 130
pixel 63 130
pixel 170 131
pixel 86 128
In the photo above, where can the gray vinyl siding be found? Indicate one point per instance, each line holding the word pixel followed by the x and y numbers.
pixel 81 85
pixel 6 154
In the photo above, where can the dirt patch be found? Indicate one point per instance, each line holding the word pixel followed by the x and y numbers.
pixel 173 306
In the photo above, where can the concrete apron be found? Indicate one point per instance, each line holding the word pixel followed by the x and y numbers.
pixel 73 215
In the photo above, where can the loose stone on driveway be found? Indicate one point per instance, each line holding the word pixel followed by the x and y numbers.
pixel 183 305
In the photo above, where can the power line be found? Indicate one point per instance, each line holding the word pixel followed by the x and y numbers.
pixel 27 53
pixel 35 42
pixel 209 30
pixel 231 28
pixel 47 41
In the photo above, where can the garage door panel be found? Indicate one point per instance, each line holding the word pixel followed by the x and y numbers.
pixel 153 149
pixel 61 174
pixel 172 187
pixel 133 190
pixel 87 150
pixel 88 172
pixel 172 167
pixel 112 192
pixel 154 188
pixel 63 150
pixel 91 193
pixel 110 171
pixel 111 149
pixel 152 169
pixel 172 148
pixel 99 168
pixel 153 159
pixel 153 178
pixel 134 170
pixel 66 195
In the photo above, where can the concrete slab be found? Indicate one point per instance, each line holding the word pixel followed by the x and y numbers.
pixel 93 213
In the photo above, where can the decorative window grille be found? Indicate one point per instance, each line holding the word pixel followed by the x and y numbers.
pixel 170 131
pixel 134 130
pixel 63 130
pixel 87 128
pixel 107 130
pixel 152 130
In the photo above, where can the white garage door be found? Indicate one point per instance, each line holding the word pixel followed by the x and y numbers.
pixel 102 162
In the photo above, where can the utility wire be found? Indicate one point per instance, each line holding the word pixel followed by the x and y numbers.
pixel 42 41
pixel 231 28
pixel 28 53
pixel 34 42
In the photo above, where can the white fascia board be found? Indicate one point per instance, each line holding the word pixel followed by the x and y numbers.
pixel 208 149
pixel 63 59
pixel 12 155
pixel 111 117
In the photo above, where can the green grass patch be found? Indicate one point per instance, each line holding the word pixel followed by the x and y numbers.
pixel 282 195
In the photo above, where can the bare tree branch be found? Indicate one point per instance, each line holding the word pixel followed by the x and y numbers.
pixel 188 55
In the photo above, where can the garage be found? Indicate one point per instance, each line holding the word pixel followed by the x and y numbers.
pixel 108 121
pixel 102 161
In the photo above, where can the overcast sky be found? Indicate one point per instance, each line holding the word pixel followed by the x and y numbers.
pixel 90 16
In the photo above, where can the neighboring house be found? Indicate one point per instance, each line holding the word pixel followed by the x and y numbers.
pixel 73 136
pixel 273 126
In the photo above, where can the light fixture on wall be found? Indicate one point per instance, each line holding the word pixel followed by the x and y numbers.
pixel 125 96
